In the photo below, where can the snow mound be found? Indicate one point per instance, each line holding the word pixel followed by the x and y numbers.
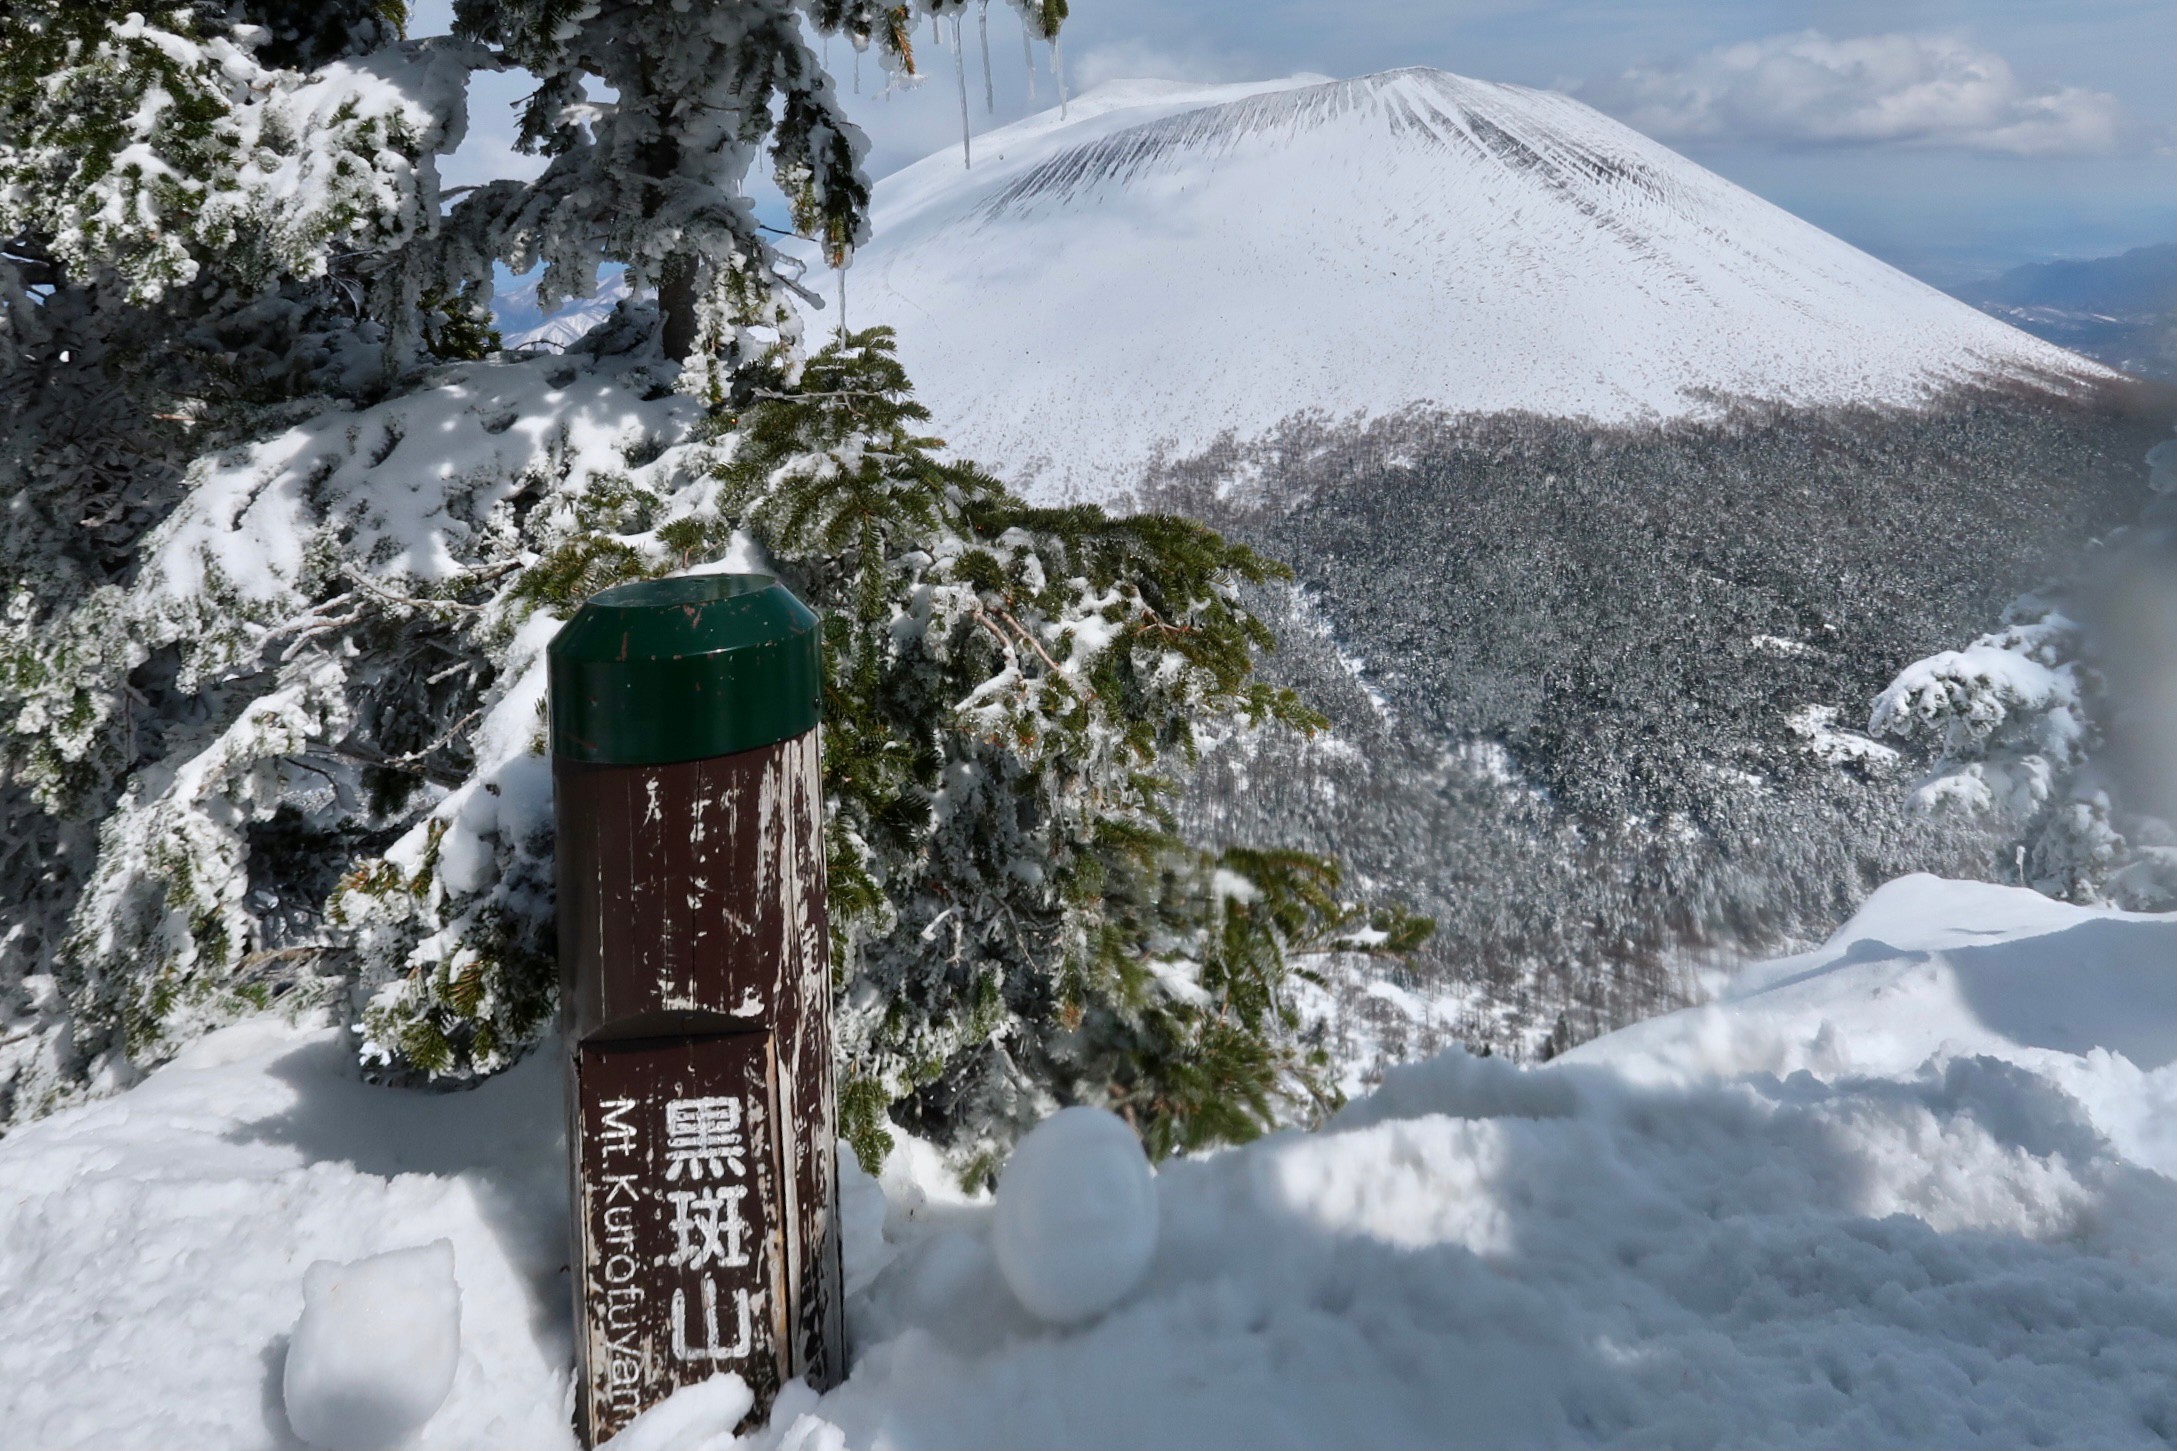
pixel 154 1245
pixel 1841 1206
pixel 691 1418
pixel 1928 970
pixel 1172 262
pixel 1914 1187
pixel 1076 1219
pixel 375 1350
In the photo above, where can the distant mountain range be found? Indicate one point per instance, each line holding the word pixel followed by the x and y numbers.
pixel 523 324
pixel 2119 310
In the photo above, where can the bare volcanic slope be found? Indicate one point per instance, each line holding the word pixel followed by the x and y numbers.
pixel 1172 262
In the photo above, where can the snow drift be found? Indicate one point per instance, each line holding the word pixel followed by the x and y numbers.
pixel 1911 1188
pixel 1171 262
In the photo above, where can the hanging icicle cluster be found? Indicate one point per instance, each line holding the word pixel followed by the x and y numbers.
pixel 889 28
pixel 1028 63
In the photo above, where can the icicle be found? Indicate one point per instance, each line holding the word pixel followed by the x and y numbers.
pixel 960 70
pixel 1058 76
pixel 990 94
pixel 843 300
pixel 1027 58
pixel 857 70
pixel 982 27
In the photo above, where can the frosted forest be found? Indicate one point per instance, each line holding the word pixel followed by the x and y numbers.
pixel 1414 825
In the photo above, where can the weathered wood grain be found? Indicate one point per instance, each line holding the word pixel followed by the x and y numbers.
pixel 695 969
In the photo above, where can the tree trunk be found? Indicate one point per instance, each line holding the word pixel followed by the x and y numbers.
pixel 676 306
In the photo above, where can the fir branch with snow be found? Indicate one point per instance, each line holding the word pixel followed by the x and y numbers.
pixel 1010 689
pixel 275 704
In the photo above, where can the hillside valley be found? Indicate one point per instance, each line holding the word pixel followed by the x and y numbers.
pixel 2119 310
pixel 1613 493
pixel 1600 697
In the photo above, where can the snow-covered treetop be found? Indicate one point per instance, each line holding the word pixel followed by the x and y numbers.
pixel 149 149
pixel 653 176
pixel 243 148
pixel 287 534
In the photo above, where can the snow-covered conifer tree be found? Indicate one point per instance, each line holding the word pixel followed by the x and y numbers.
pixel 206 214
pixel 287 536
pixel 2017 719
pixel 1008 686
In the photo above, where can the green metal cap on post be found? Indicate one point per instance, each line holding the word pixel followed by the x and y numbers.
pixel 682 669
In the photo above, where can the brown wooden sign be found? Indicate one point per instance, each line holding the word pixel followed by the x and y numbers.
pixel 696 1002
pixel 680 1247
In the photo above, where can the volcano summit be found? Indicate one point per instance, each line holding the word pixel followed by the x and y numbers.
pixel 1176 261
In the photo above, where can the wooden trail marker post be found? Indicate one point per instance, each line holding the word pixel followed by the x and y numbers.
pixel 695 989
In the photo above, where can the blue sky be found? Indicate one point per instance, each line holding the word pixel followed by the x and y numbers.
pixel 1954 139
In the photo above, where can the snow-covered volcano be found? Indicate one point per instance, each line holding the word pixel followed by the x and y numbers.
pixel 1170 262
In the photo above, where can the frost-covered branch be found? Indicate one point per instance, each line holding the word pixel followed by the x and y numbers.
pixel 293 535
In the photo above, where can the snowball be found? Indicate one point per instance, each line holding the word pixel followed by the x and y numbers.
pixel 372 1357
pixel 1076 1218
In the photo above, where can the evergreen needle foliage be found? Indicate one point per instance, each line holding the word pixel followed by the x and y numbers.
pixel 1010 689
pixel 289 534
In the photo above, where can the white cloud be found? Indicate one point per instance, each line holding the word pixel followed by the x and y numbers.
pixel 1131 59
pixel 1896 90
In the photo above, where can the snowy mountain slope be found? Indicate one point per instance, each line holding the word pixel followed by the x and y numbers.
pixel 524 325
pixel 1171 262
pixel 1912 1188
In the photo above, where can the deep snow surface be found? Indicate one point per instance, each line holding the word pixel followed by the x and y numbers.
pixel 153 1245
pixel 1911 1188
pixel 1172 261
